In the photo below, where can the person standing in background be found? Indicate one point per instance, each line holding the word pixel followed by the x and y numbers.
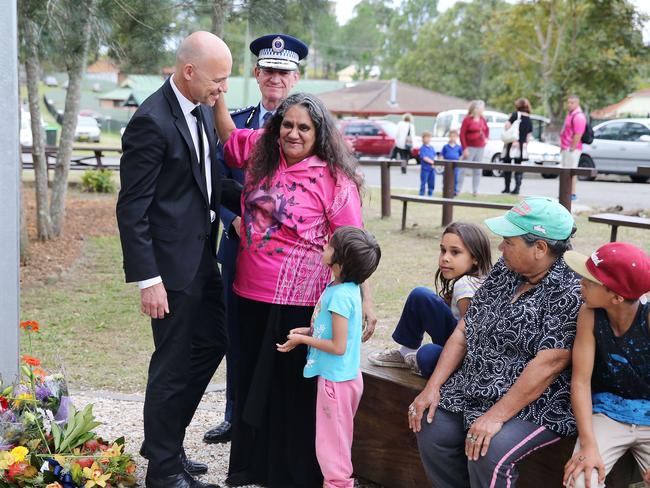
pixel 517 151
pixel 404 140
pixel 574 126
pixel 474 133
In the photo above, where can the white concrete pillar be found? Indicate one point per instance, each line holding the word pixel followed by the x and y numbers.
pixel 9 192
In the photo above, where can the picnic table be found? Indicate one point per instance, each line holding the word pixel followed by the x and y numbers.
pixel 78 161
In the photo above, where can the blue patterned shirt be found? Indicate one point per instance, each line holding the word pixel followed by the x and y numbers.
pixel 503 337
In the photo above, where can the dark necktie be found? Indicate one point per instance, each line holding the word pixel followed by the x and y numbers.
pixel 266 117
pixel 199 130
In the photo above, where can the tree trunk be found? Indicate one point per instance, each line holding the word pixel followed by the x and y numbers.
pixel 82 22
pixel 220 9
pixel 32 70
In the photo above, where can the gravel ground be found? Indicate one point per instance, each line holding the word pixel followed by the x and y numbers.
pixel 121 415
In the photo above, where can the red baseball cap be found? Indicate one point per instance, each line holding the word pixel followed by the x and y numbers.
pixel 621 267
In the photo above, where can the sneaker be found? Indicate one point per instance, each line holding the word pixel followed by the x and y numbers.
pixel 411 363
pixel 389 358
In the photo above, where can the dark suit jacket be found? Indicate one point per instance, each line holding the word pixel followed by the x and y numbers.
pixel 247 118
pixel 163 211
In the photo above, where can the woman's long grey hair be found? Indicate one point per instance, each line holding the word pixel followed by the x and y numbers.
pixel 329 145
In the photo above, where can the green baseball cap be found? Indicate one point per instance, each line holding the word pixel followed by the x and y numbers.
pixel 540 216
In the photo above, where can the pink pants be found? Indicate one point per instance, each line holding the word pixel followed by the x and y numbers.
pixel 336 404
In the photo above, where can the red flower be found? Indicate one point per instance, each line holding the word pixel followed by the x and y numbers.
pixel 4 403
pixel 16 469
pixel 32 361
pixel 30 326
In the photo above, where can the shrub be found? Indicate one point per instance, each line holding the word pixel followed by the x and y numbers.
pixel 98 181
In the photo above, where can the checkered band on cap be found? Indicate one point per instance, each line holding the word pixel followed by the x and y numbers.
pixel 284 54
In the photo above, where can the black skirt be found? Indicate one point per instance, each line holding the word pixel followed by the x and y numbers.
pixel 274 414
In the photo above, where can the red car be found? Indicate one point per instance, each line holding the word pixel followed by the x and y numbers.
pixel 369 137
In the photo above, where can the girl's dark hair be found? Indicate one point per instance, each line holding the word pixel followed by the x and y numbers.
pixel 478 245
pixel 357 251
pixel 523 105
pixel 329 145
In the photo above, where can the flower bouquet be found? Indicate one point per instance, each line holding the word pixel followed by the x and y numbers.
pixel 46 442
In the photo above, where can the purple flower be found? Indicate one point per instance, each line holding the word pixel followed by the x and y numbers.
pixel 42 392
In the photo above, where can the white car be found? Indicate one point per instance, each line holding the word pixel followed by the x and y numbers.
pixel 26 138
pixel 619 147
pixel 87 129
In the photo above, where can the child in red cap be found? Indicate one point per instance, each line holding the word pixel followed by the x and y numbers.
pixel 610 383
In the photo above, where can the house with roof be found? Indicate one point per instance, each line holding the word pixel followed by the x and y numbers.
pixel 636 104
pixel 388 97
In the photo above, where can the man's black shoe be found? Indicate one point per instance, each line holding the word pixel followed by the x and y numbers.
pixel 180 480
pixel 221 433
pixel 193 468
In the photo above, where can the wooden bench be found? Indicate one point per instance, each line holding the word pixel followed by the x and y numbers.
pixel 442 201
pixel 617 220
pixel 385 450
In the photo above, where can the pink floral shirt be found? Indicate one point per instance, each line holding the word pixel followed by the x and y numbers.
pixel 285 225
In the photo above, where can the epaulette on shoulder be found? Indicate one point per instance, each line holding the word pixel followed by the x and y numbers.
pixel 242 110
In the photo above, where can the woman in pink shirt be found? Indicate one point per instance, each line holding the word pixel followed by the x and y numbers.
pixel 301 184
pixel 474 133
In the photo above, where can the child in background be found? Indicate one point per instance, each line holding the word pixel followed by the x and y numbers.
pixel 334 341
pixel 464 262
pixel 610 382
pixel 452 151
pixel 427 170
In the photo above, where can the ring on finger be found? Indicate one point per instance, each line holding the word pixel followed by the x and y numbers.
pixel 412 410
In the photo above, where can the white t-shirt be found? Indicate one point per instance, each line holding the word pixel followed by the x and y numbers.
pixel 465 287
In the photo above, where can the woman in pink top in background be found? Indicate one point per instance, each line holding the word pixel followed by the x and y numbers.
pixel 301 184
pixel 474 134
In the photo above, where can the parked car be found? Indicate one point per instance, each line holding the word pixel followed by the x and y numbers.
pixel 538 152
pixel 87 129
pixel 26 138
pixel 51 81
pixel 619 146
pixel 369 137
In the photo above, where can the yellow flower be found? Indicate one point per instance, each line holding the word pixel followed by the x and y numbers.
pixel 114 451
pixel 19 453
pixel 95 476
pixel 6 460
pixel 24 397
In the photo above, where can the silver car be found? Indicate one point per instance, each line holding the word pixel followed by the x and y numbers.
pixel 619 146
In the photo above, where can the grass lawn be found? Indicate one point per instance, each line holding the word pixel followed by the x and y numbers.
pixel 91 320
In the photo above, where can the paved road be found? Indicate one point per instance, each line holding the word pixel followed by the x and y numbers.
pixel 605 192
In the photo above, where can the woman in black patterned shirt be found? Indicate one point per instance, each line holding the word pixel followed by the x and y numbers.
pixel 501 386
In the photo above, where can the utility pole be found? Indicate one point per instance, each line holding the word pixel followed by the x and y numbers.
pixel 9 193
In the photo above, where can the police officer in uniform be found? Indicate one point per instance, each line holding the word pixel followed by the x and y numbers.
pixel 276 72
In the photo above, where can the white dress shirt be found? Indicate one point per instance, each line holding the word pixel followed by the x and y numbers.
pixel 263 111
pixel 186 107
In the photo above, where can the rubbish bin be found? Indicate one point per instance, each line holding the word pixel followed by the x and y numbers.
pixel 50 136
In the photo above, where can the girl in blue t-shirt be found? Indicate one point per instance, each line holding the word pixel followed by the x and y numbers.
pixel 334 341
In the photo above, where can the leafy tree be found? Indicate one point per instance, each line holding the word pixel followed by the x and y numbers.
pixel 593 48
pixel 450 55
pixel 136 32
pixel 363 37
pixel 67 26
pixel 405 28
